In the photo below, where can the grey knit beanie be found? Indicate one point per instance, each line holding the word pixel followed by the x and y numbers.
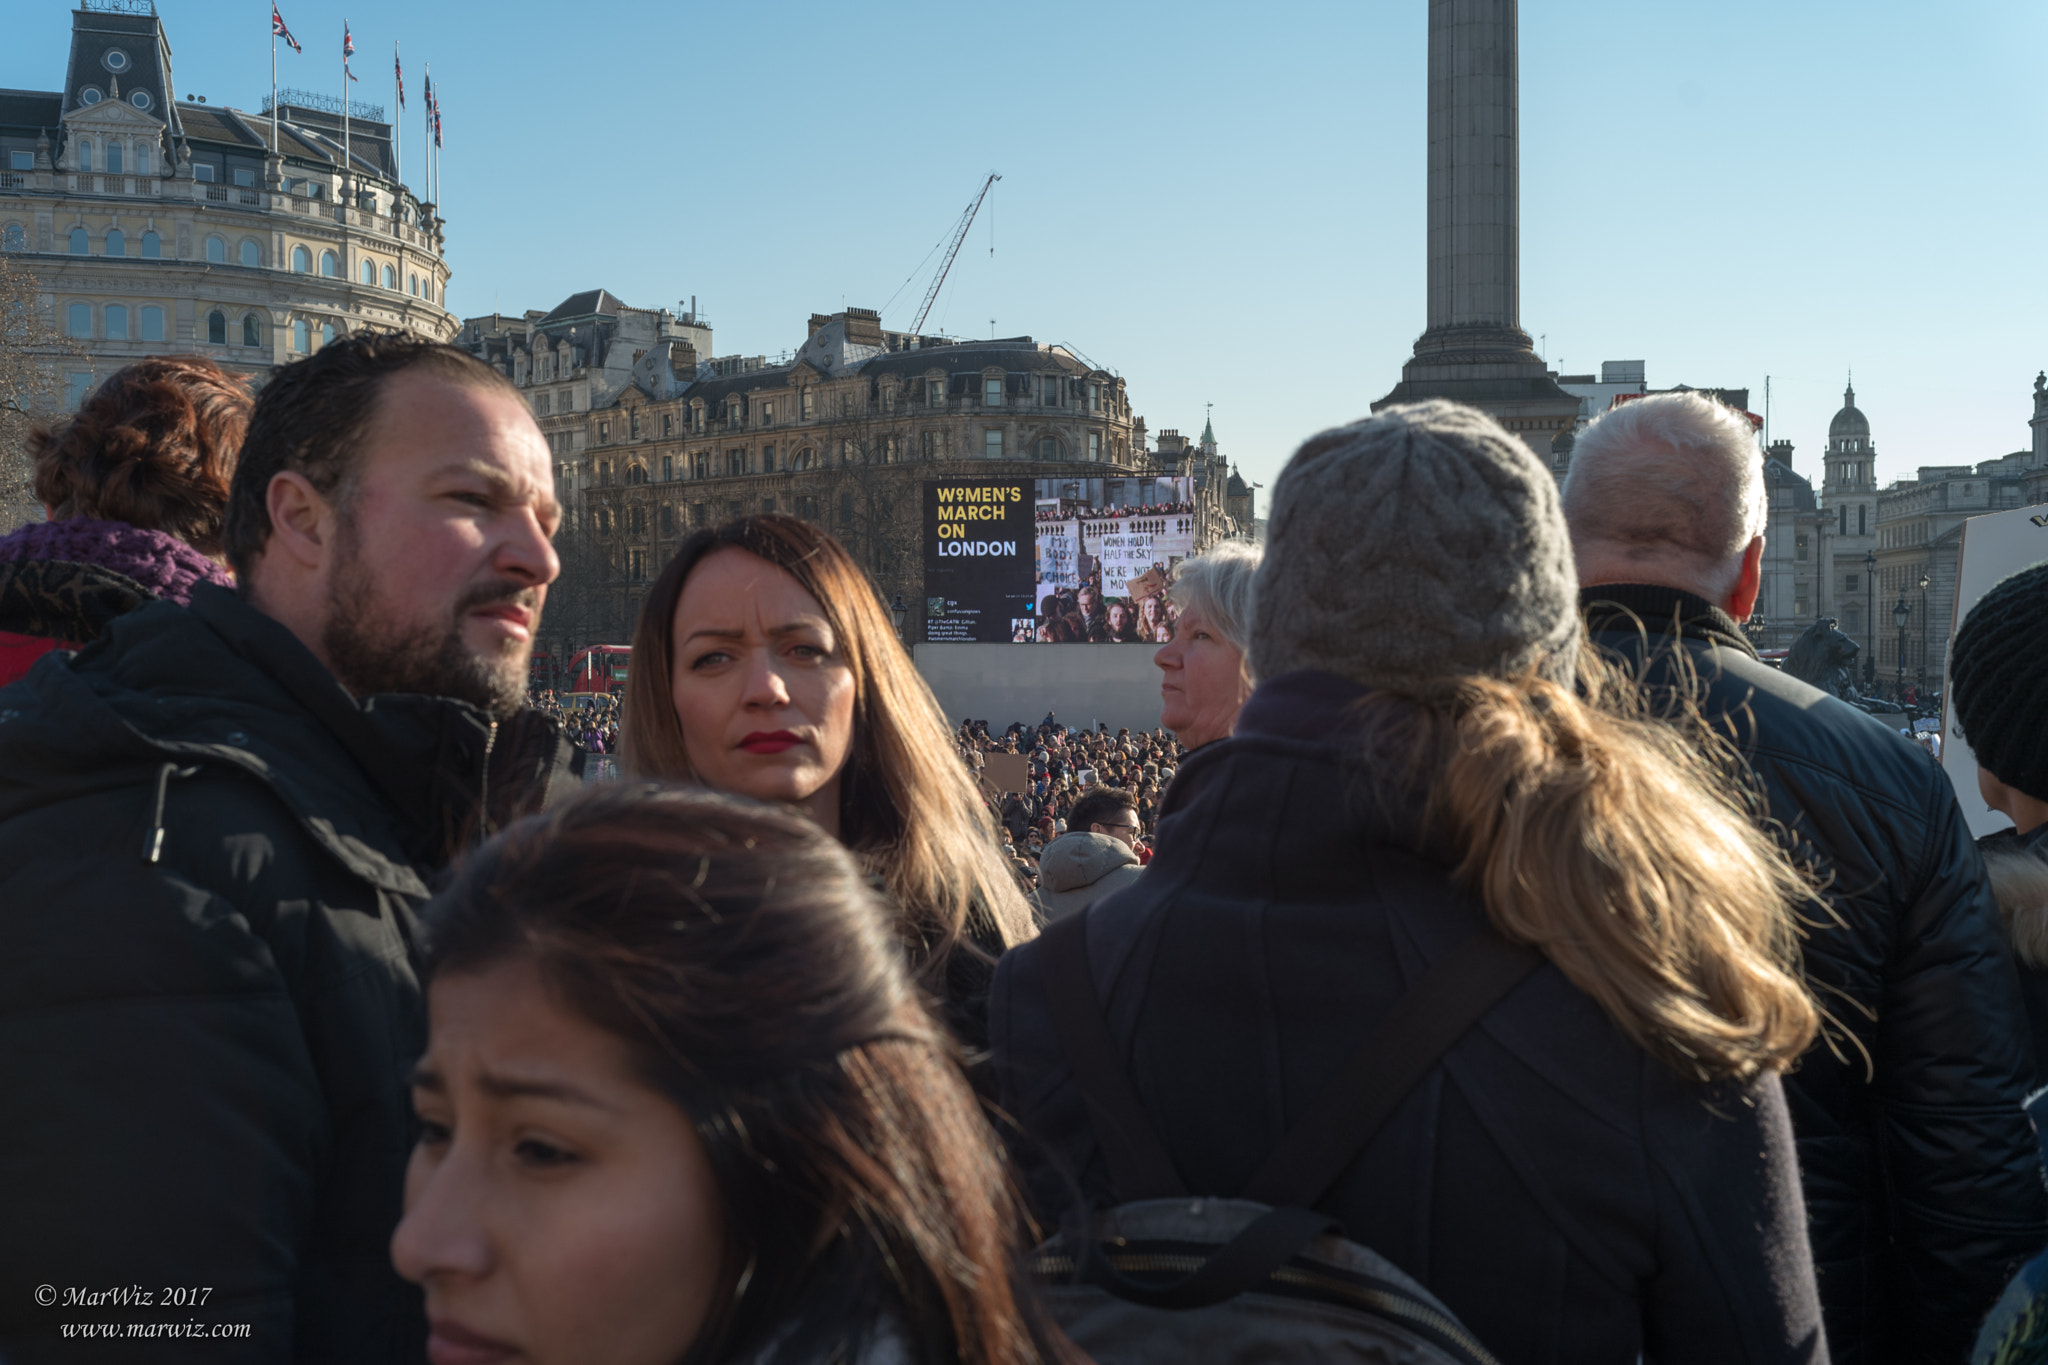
pixel 1997 682
pixel 1420 544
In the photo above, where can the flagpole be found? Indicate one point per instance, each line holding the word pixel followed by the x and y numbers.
pixel 427 125
pixel 397 121
pixel 348 166
pixel 276 147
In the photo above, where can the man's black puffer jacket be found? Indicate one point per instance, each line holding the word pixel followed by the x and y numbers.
pixel 211 858
pixel 1923 1184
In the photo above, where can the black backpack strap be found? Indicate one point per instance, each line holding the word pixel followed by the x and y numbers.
pixel 1138 1164
pixel 1440 1008
pixel 1246 1262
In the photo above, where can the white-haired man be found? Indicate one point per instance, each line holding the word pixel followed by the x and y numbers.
pixel 1922 1183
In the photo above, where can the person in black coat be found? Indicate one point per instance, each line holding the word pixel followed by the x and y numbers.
pixel 217 826
pixel 1923 1187
pixel 1602 1170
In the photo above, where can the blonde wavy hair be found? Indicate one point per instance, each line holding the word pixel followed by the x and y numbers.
pixel 908 809
pixel 1623 845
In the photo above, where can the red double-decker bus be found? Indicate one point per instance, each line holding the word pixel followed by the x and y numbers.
pixel 598 668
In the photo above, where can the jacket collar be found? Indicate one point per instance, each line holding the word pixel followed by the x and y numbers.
pixel 1660 612
pixel 451 772
pixel 1306 704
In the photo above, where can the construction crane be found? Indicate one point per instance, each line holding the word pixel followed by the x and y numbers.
pixel 931 295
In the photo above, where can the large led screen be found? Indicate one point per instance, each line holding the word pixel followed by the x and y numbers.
pixel 1054 561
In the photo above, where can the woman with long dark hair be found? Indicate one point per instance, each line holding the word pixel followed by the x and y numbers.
pixel 763 665
pixel 681 1103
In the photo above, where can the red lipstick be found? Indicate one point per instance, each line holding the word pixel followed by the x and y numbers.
pixel 769 742
pixel 450 1343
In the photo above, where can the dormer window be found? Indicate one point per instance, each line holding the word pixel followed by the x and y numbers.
pixel 202 172
pixel 90 96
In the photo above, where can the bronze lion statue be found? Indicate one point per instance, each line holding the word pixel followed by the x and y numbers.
pixel 1824 658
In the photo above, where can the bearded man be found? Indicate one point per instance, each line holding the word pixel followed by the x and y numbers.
pixel 216 827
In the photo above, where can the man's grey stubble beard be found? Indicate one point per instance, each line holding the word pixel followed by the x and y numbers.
pixel 370 654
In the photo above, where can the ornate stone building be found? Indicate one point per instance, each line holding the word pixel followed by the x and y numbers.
pixel 1849 500
pixel 664 438
pixel 1793 570
pixel 159 224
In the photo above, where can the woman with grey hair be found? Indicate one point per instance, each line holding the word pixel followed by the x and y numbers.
pixel 1207 679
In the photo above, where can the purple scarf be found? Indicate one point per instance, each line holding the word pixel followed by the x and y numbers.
pixel 162 563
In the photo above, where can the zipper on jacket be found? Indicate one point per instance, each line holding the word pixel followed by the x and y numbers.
pixel 153 842
pixel 483 786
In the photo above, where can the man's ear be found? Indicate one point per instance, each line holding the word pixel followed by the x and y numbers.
pixel 1741 600
pixel 302 522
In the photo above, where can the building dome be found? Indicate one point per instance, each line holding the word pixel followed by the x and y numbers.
pixel 1850 421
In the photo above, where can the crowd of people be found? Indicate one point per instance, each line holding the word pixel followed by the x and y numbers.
pixel 1071 511
pixel 590 719
pixel 1487 957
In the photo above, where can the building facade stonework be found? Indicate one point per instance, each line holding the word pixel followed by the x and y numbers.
pixel 843 431
pixel 156 224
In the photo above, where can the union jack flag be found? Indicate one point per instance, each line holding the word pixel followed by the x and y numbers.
pixel 398 70
pixel 278 29
pixel 348 50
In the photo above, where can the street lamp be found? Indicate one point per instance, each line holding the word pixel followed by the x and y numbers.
pixel 1870 620
pixel 1923 632
pixel 897 611
pixel 1900 615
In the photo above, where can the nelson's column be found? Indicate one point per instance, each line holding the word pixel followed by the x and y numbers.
pixel 1475 350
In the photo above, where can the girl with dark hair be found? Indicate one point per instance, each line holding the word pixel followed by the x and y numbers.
pixel 134 485
pixel 681 1103
pixel 763 665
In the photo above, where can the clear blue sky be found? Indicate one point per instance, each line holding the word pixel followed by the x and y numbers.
pixel 1224 203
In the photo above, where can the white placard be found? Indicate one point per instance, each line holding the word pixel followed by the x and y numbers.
pixel 1994 548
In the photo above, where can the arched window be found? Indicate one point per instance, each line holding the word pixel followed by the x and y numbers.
pixel 114 158
pixel 302 261
pixel 252 330
pixel 152 247
pixel 117 242
pixel 414 286
pixel 330 265
pixel 152 319
pixel 15 238
pixel 252 254
pixel 391 278
pixel 143 159
pixel 300 340
pixel 802 460
pixel 85 155
pixel 217 328
pixel 639 520
pixel 216 251
pixel 327 333
pixel 369 272
pixel 80 244
pixel 636 474
pixel 117 322
pixel 78 320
